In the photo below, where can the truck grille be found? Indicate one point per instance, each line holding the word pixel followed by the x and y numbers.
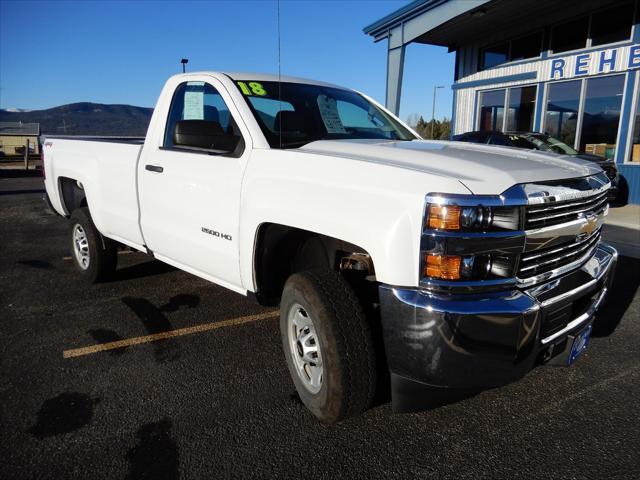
pixel 544 215
pixel 545 260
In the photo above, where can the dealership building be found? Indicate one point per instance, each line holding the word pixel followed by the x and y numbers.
pixel 567 68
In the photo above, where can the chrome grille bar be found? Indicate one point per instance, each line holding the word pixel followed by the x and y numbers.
pixel 597 198
pixel 545 253
pixel 536 217
pixel 546 261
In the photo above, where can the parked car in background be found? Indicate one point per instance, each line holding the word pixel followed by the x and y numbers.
pixel 545 143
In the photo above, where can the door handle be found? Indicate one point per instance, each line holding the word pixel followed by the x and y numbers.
pixel 154 168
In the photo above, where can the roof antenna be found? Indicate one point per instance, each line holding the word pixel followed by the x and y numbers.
pixel 279 81
pixel 184 62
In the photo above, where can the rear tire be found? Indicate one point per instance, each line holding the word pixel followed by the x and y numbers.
pixel 328 345
pixel 94 256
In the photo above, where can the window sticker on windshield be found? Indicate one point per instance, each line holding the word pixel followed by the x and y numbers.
pixel 329 112
pixel 252 88
pixel 193 103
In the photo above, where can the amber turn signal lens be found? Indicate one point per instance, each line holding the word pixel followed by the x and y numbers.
pixel 444 217
pixel 446 267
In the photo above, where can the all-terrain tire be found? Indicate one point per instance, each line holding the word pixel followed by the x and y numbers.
pixel 94 256
pixel 346 344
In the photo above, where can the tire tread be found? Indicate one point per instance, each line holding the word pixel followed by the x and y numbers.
pixel 354 341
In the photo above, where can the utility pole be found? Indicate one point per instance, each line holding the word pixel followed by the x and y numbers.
pixel 26 155
pixel 433 111
pixel 184 61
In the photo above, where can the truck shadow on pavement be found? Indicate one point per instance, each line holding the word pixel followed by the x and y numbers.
pixel 104 335
pixel 620 296
pixel 156 454
pixel 141 270
pixel 65 413
pixel 154 321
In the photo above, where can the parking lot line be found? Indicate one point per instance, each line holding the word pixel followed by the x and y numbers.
pixel 102 347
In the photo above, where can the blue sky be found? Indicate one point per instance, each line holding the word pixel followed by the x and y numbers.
pixel 58 52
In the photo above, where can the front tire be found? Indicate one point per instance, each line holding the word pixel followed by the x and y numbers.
pixel 328 345
pixel 94 256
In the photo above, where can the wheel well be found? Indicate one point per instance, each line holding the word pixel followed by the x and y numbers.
pixel 281 250
pixel 73 194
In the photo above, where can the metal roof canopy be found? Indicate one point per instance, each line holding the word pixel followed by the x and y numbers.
pixel 452 23
pixel 405 26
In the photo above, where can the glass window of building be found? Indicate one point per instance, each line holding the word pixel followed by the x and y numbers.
pixel 526 47
pixel 570 35
pixel 517 49
pixel 495 55
pixel 612 25
pixel 492 110
pixel 561 118
pixel 634 154
pixel 521 107
pixel 601 115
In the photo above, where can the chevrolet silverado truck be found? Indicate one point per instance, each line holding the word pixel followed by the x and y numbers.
pixel 439 264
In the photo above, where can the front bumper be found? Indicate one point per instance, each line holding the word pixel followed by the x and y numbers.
pixel 482 340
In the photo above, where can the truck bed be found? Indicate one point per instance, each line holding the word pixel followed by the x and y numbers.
pixel 105 167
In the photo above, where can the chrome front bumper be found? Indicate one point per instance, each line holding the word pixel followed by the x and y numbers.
pixel 489 339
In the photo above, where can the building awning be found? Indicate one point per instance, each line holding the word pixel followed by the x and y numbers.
pixel 452 23
pixel 422 17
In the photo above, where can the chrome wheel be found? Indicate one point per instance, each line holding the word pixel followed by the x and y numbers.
pixel 305 348
pixel 81 246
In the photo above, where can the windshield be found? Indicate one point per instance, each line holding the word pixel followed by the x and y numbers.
pixel 542 142
pixel 304 113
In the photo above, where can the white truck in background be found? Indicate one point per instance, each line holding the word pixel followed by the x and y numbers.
pixel 473 262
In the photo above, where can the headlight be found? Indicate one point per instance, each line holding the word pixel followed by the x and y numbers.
pixel 467 267
pixel 472 218
pixel 470 238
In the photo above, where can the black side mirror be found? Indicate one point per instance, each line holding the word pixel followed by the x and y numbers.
pixel 204 134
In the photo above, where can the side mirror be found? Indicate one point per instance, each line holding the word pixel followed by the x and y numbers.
pixel 204 134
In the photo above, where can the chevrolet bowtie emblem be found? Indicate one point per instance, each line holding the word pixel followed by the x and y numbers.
pixel 590 225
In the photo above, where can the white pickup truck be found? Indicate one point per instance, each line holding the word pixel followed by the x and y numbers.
pixel 446 264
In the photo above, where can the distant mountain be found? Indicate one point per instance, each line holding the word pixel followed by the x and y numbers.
pixel 86 119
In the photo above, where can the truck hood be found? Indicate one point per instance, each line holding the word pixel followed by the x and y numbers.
pixel 483 169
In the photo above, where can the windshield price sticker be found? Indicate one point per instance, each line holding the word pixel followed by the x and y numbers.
pixel 252 88
pixel 329 112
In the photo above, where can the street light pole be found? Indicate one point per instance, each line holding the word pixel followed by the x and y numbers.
pixel 433 111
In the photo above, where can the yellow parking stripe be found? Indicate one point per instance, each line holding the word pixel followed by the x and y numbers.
pixel 102 347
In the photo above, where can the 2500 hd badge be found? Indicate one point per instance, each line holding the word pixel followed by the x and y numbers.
pixel 216 233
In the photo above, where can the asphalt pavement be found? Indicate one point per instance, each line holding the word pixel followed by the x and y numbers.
pixel 213 399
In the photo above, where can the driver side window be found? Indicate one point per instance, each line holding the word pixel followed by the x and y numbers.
pixel 199 119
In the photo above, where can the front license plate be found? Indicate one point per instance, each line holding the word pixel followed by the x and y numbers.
pixel 580 343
